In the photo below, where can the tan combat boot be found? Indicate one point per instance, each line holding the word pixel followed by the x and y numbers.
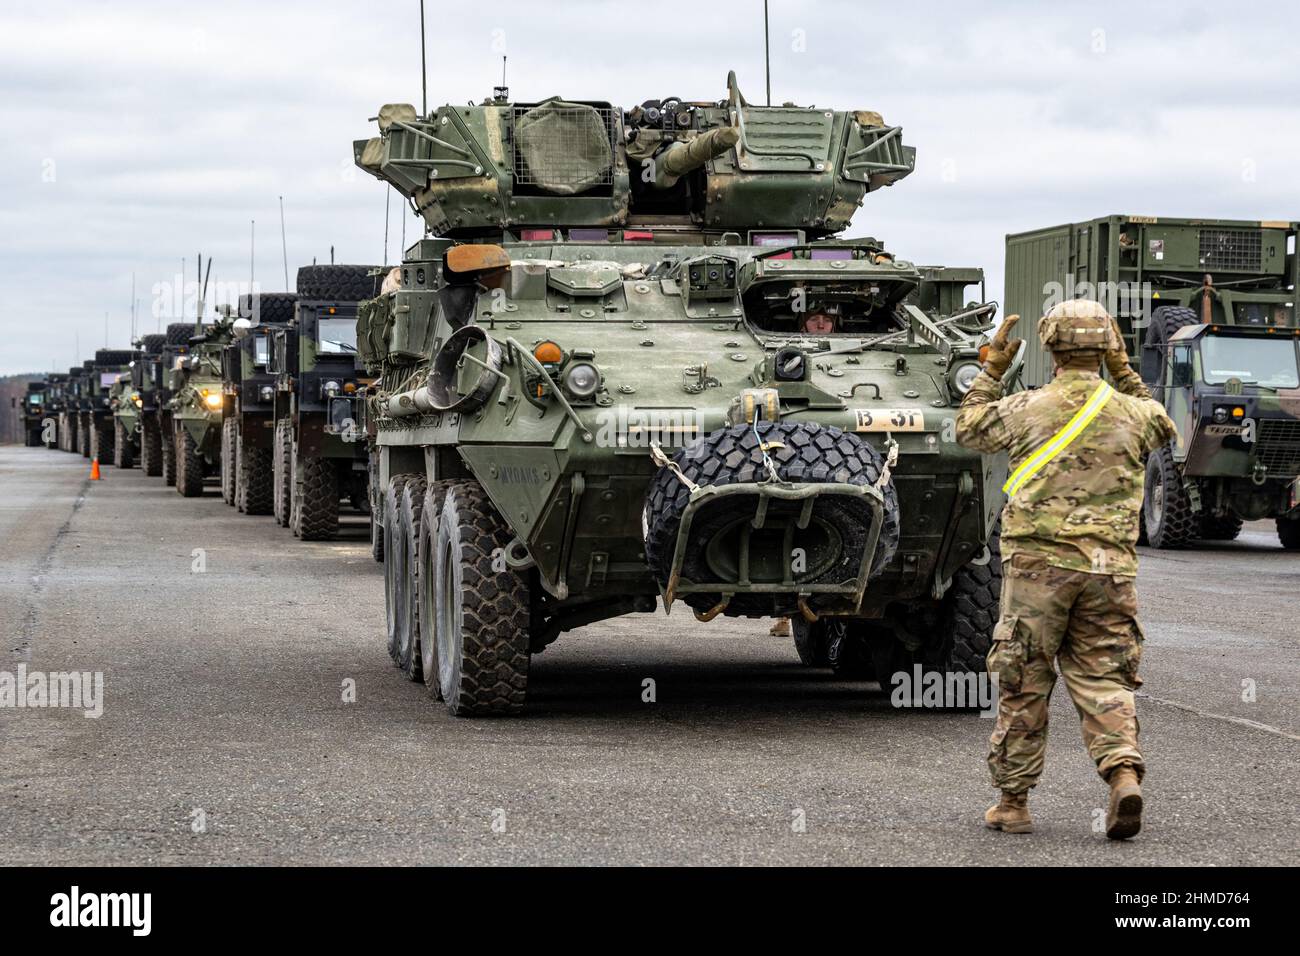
pixel 1010 815
pixel 1124 818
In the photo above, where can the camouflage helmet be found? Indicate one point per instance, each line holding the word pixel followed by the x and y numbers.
pixel 1078 325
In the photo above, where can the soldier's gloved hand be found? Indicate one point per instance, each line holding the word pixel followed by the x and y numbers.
pixel 1117 359
pixel 1002 349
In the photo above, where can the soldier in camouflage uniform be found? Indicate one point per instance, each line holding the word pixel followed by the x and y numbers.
pixel 1069 535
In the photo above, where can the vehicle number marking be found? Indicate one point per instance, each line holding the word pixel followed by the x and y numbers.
pixel 889 419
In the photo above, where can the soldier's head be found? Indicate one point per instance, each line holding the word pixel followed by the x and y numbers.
pixel 1078 333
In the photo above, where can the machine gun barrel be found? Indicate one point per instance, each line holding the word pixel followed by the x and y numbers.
pixel 682 157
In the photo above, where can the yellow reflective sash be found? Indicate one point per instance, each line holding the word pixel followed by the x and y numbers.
pixel 1061 440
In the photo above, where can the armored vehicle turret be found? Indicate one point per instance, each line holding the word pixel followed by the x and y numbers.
pixel 634 365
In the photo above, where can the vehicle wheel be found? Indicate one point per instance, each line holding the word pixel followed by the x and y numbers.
pixel 315 505
pixel 33 438
pixel 228 461
pixel 168 444
pixel 282 473
pixel 811 641
pixel 84 436
pixel 1165 506
pixel 1219 528
pixel 411 507
pixel 189 466
pixel 346 283
pixel 969 613
pixel 122 457
pixel 376 511
pixel 150 448
pixel 802 453
pixel 180 333
pixel 482 620
pixel 268 308
pixel 396 578
pixel 1288 532
pixel 434 496
pixel 255 480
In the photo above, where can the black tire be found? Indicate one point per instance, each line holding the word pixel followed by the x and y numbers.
pixel 228 426
pixel 103 447
pixel 808 453
pixel 376 511
pixel 282 472
pixel 268 308
pixel 970 612
pixel 167 439
pixel 151 453
pixel 114 356
pixel 411 508
pixel 1288 532
pixel 1219 527
pixel 180 333
pixel 33 438
pixel 189 466
pixel 315 504
pixel 1166 507
pixel 343 283
pixel 122 451
pixel 811 641
pixel 434 495
pixel 84 429
pixel 396 578
pixel 153 343
pixel 482 621
pixel 255 480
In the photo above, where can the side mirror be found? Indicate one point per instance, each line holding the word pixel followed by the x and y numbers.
pixel 241 327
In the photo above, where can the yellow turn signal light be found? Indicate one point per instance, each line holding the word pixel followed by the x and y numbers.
pixel 548 353
pixel 349 387
pixel 1238 412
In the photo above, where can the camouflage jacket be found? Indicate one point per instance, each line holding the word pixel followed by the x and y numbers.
pixel 1080 511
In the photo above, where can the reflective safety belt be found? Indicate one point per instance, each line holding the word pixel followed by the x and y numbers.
pixel 1061 440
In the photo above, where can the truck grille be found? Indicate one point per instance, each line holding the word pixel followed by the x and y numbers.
pixel 1278 446
pixel 1231 250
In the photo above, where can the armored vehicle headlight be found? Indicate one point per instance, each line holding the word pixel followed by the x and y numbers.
pixel 331 388
pixel 267 393
pixel 212 401
pixel 963 375
pixel 581 380
pixel 1220 415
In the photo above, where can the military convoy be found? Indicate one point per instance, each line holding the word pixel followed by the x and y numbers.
pixel 1208 310
pixel 635 363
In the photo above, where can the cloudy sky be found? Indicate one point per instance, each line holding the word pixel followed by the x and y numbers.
pixel 138 134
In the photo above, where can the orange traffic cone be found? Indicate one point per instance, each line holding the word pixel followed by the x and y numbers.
pixel 94 469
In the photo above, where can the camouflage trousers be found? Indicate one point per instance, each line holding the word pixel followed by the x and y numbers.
pixel 1088 624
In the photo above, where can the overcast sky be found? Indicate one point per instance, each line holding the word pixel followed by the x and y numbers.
pixel 136 134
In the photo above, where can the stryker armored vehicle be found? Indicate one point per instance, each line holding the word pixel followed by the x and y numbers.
pixel 1208 310
pixel 97 422
pixel 196 406
pixel 319 451
pixel 248 415
pixel 634 362
pixel 33 411
pixel 176 345
pixel 135 409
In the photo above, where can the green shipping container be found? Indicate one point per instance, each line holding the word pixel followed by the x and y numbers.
pixel 1230 271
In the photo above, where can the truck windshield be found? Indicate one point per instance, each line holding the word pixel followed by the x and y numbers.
pixel 261 350
pixel 1267 362
pixel 335 336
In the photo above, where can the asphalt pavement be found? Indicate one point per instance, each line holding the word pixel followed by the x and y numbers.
pixel 250 714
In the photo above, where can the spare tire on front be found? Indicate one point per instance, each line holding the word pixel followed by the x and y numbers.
pixel 830 549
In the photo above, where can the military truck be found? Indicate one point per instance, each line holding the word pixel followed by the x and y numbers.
pixel 248 415
pixel 52 406
pixel 70 410
pixel 1208 311
pixel 33 412
pixel 318 449
pixel 134 404
pixel 196 404
pixel 634 363
pixel 97 423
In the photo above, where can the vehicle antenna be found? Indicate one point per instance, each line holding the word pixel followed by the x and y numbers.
pixel 767 55
pixel 284 246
